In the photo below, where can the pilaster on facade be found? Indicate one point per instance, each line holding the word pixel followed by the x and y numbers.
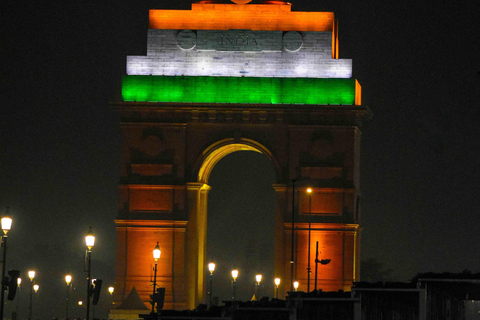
pixel 196 246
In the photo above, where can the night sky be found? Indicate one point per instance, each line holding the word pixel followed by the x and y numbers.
pixel 62 63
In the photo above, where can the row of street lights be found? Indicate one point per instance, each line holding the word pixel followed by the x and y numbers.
pixel 6 225
pixel 258 279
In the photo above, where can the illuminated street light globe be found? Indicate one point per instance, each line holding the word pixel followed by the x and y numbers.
pixel 90 239
pixel 277 281
pixel 295 285
pixel 211 267
pixel 258 278
pixel 6 224
pixel 235 274
pixel 36 287
pixel 156 252
pixel 68 279
pixel 80 302
pixel 110 290
pixel 31 274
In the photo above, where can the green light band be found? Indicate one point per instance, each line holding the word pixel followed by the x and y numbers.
pixel 239 90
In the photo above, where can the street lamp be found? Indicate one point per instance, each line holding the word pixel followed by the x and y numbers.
pixel 19 282
pixel 211 268
pixel 31 276
pixel 234 277
pixel 110 290
pixel 277 283
pixel 68 280
pixel 258 279
pixel 317 261
pixel 90 242
pixel 156 256
pixel 309 270
pixel 6 226
pixel 295 285
pixel 36 287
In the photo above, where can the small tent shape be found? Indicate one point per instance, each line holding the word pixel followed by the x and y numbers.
pixel 130 308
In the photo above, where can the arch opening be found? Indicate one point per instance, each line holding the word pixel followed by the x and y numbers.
pixel 219 150
pixel 240 223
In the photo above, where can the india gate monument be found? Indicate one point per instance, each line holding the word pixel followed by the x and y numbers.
pixel 227 77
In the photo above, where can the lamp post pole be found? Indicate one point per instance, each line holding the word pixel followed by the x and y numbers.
pixel 110 290
pixel 6 225
pixel 19 282
pixel 322 262
pixel 234 277
pixel 90 242
pixel 31 275
pixel 89 285
pixel 68 280
pixel 31 301
pixel 258 279
pixel 156 256
pixel 211 268
pixel 154 286
pixel 316 266
pixel 292 260
pixel 309 270
pixel 277 283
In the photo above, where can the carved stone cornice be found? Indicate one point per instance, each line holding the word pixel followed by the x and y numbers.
pixel 183 113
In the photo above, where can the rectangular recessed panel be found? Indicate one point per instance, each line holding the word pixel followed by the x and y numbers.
pixel 151 199
pixel 239 90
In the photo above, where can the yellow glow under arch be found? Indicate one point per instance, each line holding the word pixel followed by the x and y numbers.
pixel 220 149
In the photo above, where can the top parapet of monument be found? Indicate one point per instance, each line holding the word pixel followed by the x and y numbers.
pixel 267 15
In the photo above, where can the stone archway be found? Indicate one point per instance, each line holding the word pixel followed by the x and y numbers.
pixel 197 200
pixel 164 189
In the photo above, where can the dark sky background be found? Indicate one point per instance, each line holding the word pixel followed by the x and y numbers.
pixel 62 62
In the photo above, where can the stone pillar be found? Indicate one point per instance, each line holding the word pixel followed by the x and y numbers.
pixel 197 196
pixel 280 252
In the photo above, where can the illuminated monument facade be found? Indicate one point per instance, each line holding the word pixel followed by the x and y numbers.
pixel 221 78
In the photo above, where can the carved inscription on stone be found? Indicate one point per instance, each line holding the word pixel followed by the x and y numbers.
pixel 239 40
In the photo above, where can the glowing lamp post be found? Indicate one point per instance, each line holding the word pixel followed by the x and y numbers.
pixel 110 290
pixel 36 287
pixel 309 270
pixel 258 279
pixel 295 286
pixel 6 226
pixel 31 276
pixel 211 268
pixel 90 242
pixel 19 282
pixel 277 283
pixel 68 280
pixel 156 256
pixel 234 282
